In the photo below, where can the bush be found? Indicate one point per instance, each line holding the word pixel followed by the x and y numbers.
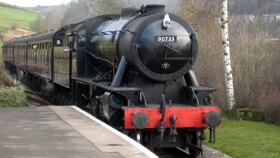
pixel 12 97
pixel 271 106
pixel 15 25
pixel 4 80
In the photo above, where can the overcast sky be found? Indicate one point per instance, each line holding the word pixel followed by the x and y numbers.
pixel 34 3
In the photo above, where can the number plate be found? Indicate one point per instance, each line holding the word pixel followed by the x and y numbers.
pixel 165 38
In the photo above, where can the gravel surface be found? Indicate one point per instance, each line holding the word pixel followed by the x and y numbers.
pixel 212 153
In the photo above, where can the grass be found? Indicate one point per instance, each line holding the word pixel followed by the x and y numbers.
pixel 242 139
pixel 10 16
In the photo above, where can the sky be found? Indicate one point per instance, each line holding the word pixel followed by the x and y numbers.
pixel 34 3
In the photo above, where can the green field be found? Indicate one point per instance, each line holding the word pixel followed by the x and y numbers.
pixel 244 139
pixel 10 16
pixel 14 16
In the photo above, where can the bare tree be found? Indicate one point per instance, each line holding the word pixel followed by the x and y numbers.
pixel 75 12
pixel 226 52
pixel 38 24
pixel 98 7
pixel 54 18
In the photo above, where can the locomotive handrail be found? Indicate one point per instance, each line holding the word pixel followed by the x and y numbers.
pixel 122 31
pixel 105 32
pixel 106 85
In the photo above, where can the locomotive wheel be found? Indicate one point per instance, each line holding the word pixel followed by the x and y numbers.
pixel 60 99
pixel 138 135
pixel 195 141
pixel 95 104
pixel 100 111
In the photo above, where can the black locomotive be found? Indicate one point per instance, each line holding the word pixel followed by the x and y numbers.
pixel 132 70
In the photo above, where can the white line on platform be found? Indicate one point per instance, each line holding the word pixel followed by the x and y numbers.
pixel 125 137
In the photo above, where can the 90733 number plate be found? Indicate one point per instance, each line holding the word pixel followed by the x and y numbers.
pixel 165 38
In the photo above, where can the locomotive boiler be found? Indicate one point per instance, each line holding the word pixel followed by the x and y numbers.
pixel 132 70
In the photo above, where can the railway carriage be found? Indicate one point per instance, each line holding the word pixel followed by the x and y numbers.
pixel 132 70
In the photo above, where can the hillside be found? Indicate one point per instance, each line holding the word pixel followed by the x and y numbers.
pixel 43 9
pixel 15 16
pixel 15 33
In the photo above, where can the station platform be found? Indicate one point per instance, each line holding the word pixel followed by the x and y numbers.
pixel 60 132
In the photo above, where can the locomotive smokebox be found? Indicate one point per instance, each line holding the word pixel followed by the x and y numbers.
pixel 162 46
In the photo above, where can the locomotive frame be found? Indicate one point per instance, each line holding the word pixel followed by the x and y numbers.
pixel 120 73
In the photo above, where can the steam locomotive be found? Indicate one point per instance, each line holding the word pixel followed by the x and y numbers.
pixel 132 70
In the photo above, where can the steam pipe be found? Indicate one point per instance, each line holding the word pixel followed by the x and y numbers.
pixel 117 81
pixel 191 79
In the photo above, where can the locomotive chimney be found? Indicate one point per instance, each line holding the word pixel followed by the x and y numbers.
pixel 153 8
pixel 150 9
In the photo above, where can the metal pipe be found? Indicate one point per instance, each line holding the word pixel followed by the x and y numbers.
pixel 211 135
pixel 214 135
pixel 191 79
pixel 117 81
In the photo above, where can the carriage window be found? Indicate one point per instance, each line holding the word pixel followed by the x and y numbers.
pixel 82 38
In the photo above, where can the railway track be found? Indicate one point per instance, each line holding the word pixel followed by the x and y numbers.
pixel 172 153
pixel 36 98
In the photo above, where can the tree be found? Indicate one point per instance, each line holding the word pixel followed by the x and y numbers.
pixel 98 7
pixel 226 52
pixel 38 24
pixel 54 18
